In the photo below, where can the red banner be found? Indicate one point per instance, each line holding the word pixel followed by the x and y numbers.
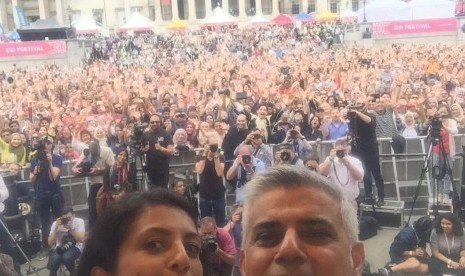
pixel 414 26
pixel 33 48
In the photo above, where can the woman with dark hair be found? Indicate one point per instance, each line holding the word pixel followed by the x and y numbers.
pixel 115 181
pixel 333 101
pixel 137 235
pixel 447 246
pixel 313 132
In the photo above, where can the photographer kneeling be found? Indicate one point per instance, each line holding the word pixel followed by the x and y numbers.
pixel 218 249
pixel 66 235
pixel 92 163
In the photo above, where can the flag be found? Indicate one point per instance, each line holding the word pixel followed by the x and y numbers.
pixel 165 2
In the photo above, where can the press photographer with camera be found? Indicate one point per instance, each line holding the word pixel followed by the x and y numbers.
pixel 344 170
pixel 286 155
pixel 210 168
pixel 66 237
pixel 45 177
pixel 218 249
pixel 93 163
pixel 300 145
pixel 243 169
pixel 260 150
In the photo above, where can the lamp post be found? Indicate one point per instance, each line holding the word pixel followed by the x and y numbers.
pixel 364 12
pixel 69 10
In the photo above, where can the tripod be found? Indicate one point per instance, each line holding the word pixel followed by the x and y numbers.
pixel 437 173
pixel 137 165
pixel 31 268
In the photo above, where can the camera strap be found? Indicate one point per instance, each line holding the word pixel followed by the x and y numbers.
pixel 337 177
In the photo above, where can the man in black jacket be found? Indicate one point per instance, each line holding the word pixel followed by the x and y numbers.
pixel 235 135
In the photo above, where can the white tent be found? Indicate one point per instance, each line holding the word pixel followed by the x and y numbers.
pixel 398 10
pixel 136 23
pixel 86 25
pixel 259 20
pixel 219 18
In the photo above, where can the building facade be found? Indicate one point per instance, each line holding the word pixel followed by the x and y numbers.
pixel 111 13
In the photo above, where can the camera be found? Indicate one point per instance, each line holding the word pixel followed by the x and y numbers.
pixel 68 242
pixel 294 134
pixel 285 156
pixel 214 148
pixel 436 125
pixel 86 164
pixel 257 136
pixel 41 155
pixel 340 154
pixel 136 137
pixel 64 220
pixel 246 159
pixel 209 243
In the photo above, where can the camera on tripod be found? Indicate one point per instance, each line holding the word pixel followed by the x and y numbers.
pixel 136 137
pixel 436 125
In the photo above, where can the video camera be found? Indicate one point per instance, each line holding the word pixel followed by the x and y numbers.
pixel 41 154
pixel 436 125
pixel 86 164
pixel 136 137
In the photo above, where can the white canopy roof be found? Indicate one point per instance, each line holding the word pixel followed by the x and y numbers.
pixel 136 22
pixel 219 17
pixel 86 25
pixel 399 10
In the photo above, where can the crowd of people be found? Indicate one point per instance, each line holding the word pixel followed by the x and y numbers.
pixel 228 95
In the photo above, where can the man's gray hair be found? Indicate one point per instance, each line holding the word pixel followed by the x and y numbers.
pixel 289 176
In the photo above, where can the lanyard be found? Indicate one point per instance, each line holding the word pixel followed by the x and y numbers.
pixel 447 243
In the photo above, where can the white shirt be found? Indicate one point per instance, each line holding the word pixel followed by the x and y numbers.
pixel 3 194
pixel 77 226
pixel 339 174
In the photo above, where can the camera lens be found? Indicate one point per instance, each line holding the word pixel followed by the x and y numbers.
pixel 214 148
pixel 246 159
pixel 285 156
pixel 340 153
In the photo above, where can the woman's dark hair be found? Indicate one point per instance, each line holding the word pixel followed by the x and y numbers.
pixel 319 121
pixel 456 225
pixel 114 225
pixel 336 100
pixel 447 108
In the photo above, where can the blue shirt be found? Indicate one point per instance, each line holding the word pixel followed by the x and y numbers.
pixel 337 131
pixel 43 185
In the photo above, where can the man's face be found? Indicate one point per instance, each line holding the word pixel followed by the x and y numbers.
pixel 335 115
pixel 256 138
pixel 155 123
pixel 291 236
pixel 241 122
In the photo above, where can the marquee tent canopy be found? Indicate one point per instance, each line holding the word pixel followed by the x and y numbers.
pixel 86 25
pixel 398 10
pixel 177 25
pixel 304 17
pixel 326 16
pixel 136 23
pixel 282 19
pixel 259 20
pixel 219 17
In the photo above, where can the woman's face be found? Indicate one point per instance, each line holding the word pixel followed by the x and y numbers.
pixel 159 245
pixel 100 134
pixel 209 119
pixel 409 119
pixel 204 126
pixel 442 111
pixel 189 129
pixel 180 188
pixel 15 140
pixel 331 101
pixel 66 132
pixel 43 131
pixel 315 122
pixel 122 157
pixel 455 110
pixel 446 226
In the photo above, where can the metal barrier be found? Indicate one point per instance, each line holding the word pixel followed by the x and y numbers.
pixel 401 172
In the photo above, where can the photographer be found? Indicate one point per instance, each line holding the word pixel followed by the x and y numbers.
pixel 243 169
pixel 45 176
pixel 210 168
pixel 286 155
pixel 92 163
pixel 158 147
pixel 66 236
pixel 300 145
pixel 260 150
pixel 364 146
pixel 218 250
pixel 344 170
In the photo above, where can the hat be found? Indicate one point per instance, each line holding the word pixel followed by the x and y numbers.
pixel 48 139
